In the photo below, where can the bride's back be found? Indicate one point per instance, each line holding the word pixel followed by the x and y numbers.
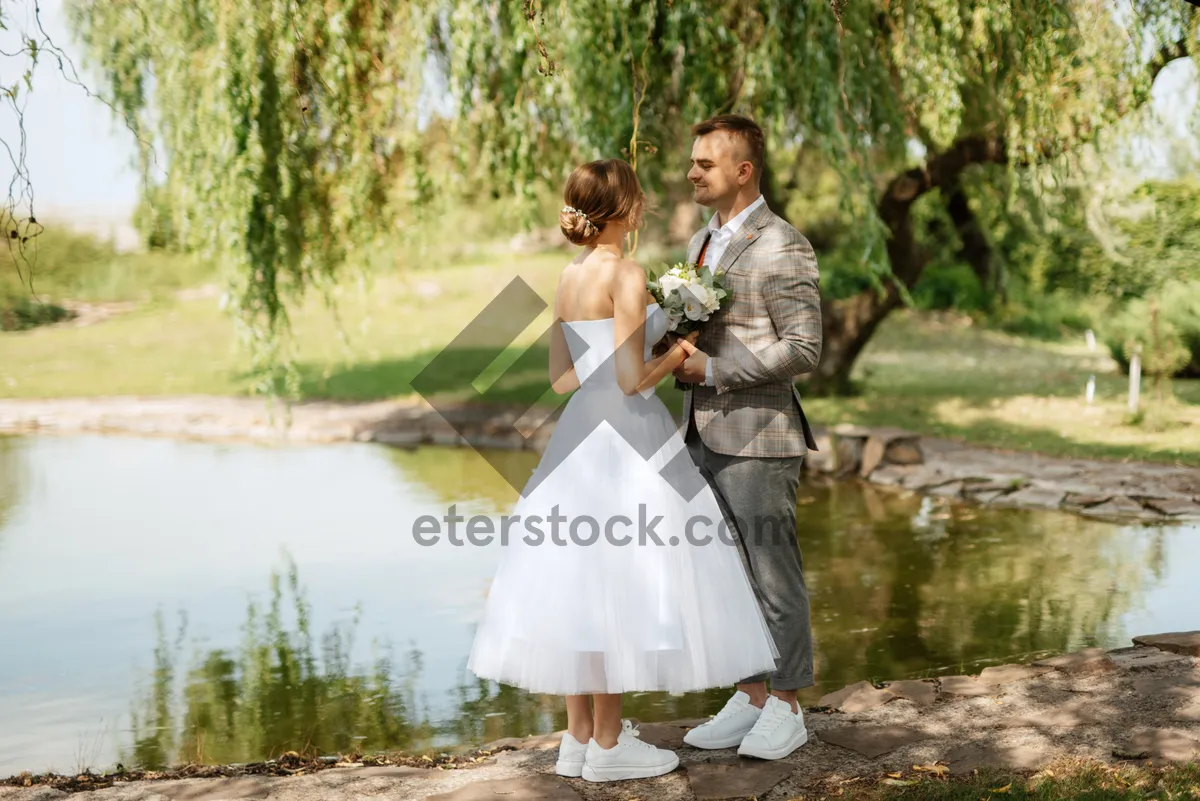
pixel 585 288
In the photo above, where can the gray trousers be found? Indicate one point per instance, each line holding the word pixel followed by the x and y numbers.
pixel 758 498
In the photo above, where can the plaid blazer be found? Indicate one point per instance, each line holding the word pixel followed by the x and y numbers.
pixel 769 333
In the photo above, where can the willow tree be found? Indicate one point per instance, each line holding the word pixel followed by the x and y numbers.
pixel 287 127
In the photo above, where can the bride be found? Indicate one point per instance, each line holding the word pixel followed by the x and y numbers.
pixel 639 590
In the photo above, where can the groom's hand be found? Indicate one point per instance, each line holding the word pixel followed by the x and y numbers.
pixel 692 369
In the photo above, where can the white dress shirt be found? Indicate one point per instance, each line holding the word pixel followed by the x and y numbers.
pixel 718 240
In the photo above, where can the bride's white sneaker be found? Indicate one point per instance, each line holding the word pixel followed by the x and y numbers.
pixel 570 757
pixel 728 727
pixel 778 732
pixel 630 758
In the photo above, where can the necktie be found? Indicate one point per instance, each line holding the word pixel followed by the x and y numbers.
pixel 703 251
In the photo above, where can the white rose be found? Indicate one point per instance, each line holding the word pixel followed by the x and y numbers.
pixel 670 283
pixel 694 310
pixel 703 295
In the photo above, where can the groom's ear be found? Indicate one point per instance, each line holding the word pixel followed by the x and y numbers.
pixel 745 173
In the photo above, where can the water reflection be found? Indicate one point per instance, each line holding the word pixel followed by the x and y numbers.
pixel 357 640
pixel 279 691
pixel 12 480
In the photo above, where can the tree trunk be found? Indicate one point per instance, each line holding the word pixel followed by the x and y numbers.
pixel 849 323
pixel 976 251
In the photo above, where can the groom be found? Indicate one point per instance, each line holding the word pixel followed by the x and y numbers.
pixel 746 429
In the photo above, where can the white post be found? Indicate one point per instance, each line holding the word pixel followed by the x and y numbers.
pixel 1135 382
pixel 1091 389
pixel 1091 339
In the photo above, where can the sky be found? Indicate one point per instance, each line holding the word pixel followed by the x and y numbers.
pixel 80 157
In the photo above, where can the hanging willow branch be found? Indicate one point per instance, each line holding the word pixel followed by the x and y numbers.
pixel 299 135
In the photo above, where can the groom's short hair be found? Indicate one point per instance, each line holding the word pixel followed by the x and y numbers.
pixel 744 129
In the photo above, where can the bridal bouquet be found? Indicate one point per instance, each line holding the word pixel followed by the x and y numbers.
pixel 688 295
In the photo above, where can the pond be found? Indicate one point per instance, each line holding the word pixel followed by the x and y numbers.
pixel 166 601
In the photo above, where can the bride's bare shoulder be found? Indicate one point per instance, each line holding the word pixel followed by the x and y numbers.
pixel 628 270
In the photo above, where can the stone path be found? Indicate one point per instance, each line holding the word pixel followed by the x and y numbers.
pixel 1136 703
pixel 882 456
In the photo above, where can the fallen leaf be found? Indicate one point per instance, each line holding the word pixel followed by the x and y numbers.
pixel 899 782
pixel 935 769
pixel 1003 789
pixel 895 775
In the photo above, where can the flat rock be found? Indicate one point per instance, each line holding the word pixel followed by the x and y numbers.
pixel 539 787
pixel 921 693
pixel 924 478
pixel 240 789
pixel 1082 712
pixel 857 698
pixel 1118 506
pixel 1174 507
pixel 863 700
pixel 32 793
pixel 688 723
pixel 662 735
pixel 951 490
pixel 1144 658
pixel 834 700
pixel 1000 484
pixel 1161 744
pixel 392 772
pixel 1038 497
pixel 1003 674
pixel 966 686
pixel 1084 500
pixel 1186 643
pixel 536 742
pixel 1189 714
pixel 973 756
pixel 1177 690
pixel 736 777
pixel 1089 660
pixel 872 741
pixel 872 456
pixel 890 475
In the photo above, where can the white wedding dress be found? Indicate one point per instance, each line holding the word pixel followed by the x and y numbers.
pixel 593 615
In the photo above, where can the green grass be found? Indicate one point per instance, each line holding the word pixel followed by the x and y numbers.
pixel 934 374
pixel 942 375
pixel 1076 780
pixel 61 265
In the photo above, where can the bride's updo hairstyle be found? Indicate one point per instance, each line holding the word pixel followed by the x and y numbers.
pixel 599 193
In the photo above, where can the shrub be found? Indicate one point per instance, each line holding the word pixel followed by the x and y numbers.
pixel 952 286
pixel 1178 305
pixel 1048 316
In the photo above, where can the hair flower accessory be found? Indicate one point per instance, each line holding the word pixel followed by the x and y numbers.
pixel 588 226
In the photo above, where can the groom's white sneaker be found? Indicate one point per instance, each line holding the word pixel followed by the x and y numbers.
pixel 630 758
pixel 778 732
pixel 728 727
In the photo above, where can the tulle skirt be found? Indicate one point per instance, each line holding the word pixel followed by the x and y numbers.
pixel 620 573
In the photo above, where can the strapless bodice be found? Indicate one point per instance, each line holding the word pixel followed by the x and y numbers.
pixel 592 345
